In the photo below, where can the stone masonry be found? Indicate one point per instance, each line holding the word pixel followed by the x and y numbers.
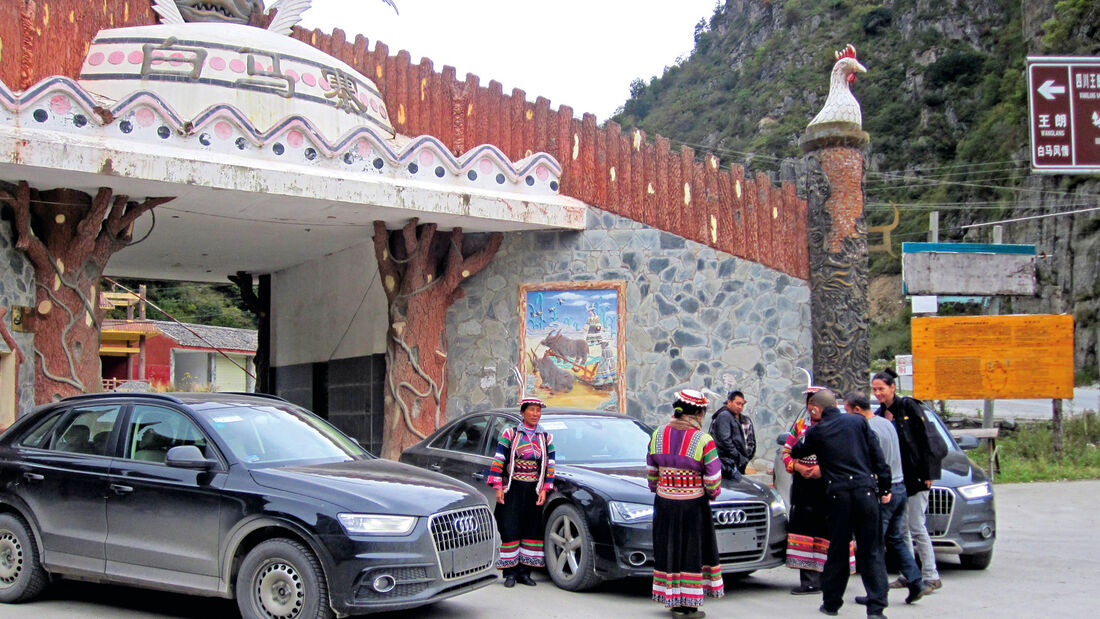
pixel 695 318
pixel 17 288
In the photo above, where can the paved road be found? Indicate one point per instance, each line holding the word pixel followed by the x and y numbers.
pixel 1046 561
pixel 1084 399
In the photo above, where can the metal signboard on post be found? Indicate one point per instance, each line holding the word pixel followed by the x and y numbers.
pixel 1064 108
pixel 968 269
pixel 993 357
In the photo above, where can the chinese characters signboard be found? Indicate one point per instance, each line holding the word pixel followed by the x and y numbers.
pixel 993 357
pixel 1064 107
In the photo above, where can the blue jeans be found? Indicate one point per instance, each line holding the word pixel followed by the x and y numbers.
pixel 893 530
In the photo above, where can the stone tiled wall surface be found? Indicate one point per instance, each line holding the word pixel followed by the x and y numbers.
pixel 695 317
pixel 17 288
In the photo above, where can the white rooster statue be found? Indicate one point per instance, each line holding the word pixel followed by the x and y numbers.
pixel 841 106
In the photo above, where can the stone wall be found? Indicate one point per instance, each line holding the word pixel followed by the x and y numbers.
pixel 17 288
pixel 695 317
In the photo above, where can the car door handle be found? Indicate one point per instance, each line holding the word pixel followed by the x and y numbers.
pixel 120 490
pixel 478 476
pixel 435 467
pixel 33 477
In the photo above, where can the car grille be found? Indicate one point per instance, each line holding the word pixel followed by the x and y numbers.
pixel 941 504
pixel 463 541
pixel 747 523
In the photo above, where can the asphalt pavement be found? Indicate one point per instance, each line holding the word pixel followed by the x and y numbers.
pixel 1045 565
pixel 1084 399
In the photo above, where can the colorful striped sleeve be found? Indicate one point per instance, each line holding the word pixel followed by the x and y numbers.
pixel 549 482
pixel 651 462
pixel 792 438
pixel 712 466
pixel 496 469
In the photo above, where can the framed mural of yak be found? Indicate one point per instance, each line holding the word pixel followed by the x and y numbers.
pixel 572 343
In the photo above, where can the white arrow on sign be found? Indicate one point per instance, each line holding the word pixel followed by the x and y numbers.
pixel 1049 89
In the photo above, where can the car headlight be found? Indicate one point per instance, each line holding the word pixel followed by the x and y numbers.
pixel 777 506
pixel 629 513
pixel 976 491
pixel 377 524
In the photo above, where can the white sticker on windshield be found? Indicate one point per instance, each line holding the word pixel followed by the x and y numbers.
pixel 553 425
pixel 227 419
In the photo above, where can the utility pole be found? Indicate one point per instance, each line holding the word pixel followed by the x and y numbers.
pixel 994 309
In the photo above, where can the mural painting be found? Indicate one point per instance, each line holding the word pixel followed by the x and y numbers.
pixel 571 344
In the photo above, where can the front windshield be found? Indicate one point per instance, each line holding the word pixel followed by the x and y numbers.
pixel 598 439
pixel 280 433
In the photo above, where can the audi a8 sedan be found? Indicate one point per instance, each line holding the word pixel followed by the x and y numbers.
pixel 598 520
pixel 230 495
pixel 961 517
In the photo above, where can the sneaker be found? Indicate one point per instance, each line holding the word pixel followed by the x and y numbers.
pixel 804 590
pixel 825 611
pixel 899 584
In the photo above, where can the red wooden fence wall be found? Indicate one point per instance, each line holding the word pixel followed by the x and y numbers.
pixel 621 172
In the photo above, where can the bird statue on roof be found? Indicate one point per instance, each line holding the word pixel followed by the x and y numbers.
pixel 287 13
pixel 841 106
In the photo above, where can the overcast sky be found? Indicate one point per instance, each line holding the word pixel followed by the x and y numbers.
pixel 581 53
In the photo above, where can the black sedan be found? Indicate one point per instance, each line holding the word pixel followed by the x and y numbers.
pixel 230 496
pixel 599 517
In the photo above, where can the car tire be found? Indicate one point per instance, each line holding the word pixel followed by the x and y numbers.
pixel 977 560
pixel 570 558
pixel 21 573
pixel 282 579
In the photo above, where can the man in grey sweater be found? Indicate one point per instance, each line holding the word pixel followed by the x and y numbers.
pixel 893 513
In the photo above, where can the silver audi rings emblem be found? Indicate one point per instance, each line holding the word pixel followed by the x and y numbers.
pixel 465 524
pixel 730 516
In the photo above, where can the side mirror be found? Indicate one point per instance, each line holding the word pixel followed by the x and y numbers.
pixel 781 440
pixel 967 443
pixel 187 457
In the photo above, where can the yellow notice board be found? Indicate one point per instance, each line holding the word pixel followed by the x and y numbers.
pixel 993 357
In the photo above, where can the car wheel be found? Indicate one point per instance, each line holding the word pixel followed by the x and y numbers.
pixel 21 574
pixel 977 560
pixel 569 555
pixel 281 579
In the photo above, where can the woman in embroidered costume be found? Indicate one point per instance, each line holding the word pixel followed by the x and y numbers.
pixel 807 529
pixel 522 473
pixel 686 474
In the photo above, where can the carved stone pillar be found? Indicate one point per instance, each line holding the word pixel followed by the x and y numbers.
pixel 833 144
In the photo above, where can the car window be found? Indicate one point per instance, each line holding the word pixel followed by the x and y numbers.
pixel 41 435
pixel 280 434
pixel 495 430
pixel 466 436
pixel 153 430
pixel 598 439
pixel 941 428
pixel 87 430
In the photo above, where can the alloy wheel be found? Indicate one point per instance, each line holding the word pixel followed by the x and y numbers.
pixel 566 545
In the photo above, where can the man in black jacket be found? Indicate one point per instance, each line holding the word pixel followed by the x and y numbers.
pixel 728 429
pixel 857 479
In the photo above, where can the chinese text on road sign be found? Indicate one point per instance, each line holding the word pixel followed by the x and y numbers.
pixel 1064 105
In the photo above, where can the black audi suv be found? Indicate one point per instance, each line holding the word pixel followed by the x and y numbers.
pixel 598 520
pixel 230 495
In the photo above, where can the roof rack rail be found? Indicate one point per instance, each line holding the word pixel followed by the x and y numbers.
pixel 126 394
pixel 257 394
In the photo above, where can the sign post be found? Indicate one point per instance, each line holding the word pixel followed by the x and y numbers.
pixel 1064 109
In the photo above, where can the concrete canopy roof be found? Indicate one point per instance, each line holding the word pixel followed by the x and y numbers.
pixel 263 176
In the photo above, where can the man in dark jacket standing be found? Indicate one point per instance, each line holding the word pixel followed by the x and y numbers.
pixel 733 435
pixel 857 480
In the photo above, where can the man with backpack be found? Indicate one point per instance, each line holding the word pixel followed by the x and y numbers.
pixel 922 451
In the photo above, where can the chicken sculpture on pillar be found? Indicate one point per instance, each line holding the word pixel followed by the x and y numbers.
pixel 833 145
